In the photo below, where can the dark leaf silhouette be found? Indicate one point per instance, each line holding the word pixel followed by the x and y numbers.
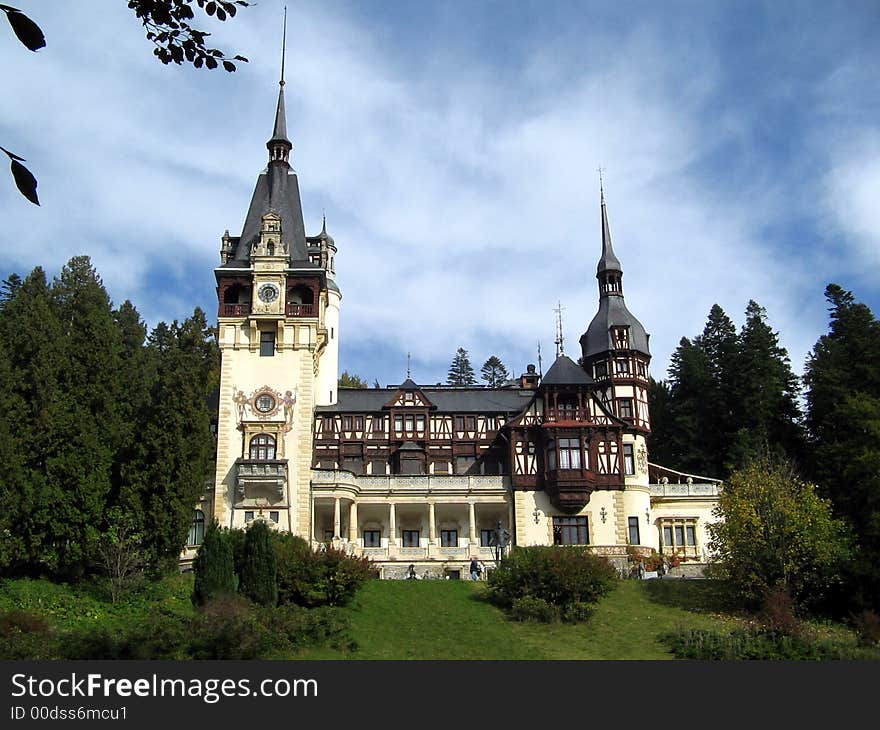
pixel 167 23
pixel 27 31
pixel 25 182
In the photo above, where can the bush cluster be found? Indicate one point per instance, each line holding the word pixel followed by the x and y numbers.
pixel 227 627
pixel 547 583
pixel 276 568
pixel 309 578
pixel 762 644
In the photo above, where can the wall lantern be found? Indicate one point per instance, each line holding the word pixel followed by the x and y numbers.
pixel 603 514
pixel 537 515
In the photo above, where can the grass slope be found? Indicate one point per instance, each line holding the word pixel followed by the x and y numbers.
pixel 450 620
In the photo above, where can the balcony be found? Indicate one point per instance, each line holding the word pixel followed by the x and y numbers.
pixel 300 310
pixel 260 482
pixel 235 310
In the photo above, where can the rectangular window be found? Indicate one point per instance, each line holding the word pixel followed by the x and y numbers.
pixel 459 423
pixel 629 462
pixel 377 467
pixel 551 456
pixel 248 516
pixel 267 343
pixel 471 423
pixel 491 424
pixel 441 467
pixel 626 407
pixel 667 536
pixel 600 369
pixel 691 534
pixel 358 423
pixel 486 538
pixel 346 423
pixel 570 531
pixel 409 423
pixel 378 424
pixel 569 454
pixel 634 531
pixel 420 424
pixel 640 368
pixel 372 538
pixel 398 424
pixel 274 516
pixel 410 538
pixel 327 430
pixel 448 538
pixel 621 366
pixel 354 464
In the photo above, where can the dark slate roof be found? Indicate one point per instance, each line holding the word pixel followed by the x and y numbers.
pixel 277 190
pixel 279 133
pixel 446 400
pixel 612 313
pixel 566 371
pixel 608 261
pixel 408 384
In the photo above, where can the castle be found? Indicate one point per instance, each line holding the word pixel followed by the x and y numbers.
pixel 422 476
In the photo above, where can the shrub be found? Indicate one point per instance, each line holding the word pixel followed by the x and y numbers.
pixel 560 576
pixel 867 623
pixel 228 628
pixel 258 577
pixel 307 578
pixel 213 567
pixel 577 612
pixel 529 608
pixel 777 613
pixel 759 644
pixel 294 627
pixel 26 635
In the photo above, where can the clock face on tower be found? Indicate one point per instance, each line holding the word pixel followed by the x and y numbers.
pixel 268 293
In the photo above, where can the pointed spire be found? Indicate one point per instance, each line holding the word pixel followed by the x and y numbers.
pixel 280 146
pixel 609 261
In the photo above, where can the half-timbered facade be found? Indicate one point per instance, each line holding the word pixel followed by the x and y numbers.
pixel 424 475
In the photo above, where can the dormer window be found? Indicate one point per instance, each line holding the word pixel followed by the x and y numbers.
pixel 621 337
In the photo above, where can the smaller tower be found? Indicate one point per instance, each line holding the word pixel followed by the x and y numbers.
pixel 615 346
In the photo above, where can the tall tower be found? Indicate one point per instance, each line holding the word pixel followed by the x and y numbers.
pixel 278 331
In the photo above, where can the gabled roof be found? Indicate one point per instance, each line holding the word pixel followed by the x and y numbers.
pixel 566 371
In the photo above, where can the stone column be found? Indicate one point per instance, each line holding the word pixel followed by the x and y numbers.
pixel 336 519
pixel 473 523
pixel 392 525
pixel 432 529
pixel 353 521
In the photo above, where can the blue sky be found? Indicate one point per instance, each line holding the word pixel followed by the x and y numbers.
pixel 454 147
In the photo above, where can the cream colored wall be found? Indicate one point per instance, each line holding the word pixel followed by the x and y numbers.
pixel 529 532
pixel 701 509
pixel 328 365
pixel 291 368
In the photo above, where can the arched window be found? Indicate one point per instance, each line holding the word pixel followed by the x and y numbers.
pixel 263 447
pixel 196 529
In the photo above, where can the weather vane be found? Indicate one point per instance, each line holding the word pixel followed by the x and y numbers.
pixel 560 347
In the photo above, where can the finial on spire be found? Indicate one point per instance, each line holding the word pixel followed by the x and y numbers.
pixel 601 184
pixel 324 224
pixel 540 368
pixel 560 347
pixel 283 47
pixel 408 363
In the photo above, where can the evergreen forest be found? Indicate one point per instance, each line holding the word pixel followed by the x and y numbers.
pixel 105 433
pixel 731 397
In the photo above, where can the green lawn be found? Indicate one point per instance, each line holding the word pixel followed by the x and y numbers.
pixel 450 620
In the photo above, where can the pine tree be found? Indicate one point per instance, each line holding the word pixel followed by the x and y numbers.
pixel 660 438
pixel 460 371
pixel 691 412
pixel 494 372
pixel 213 567
pixel 843 421
pixel 259 579
pixel 166 474
pixel 765 391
